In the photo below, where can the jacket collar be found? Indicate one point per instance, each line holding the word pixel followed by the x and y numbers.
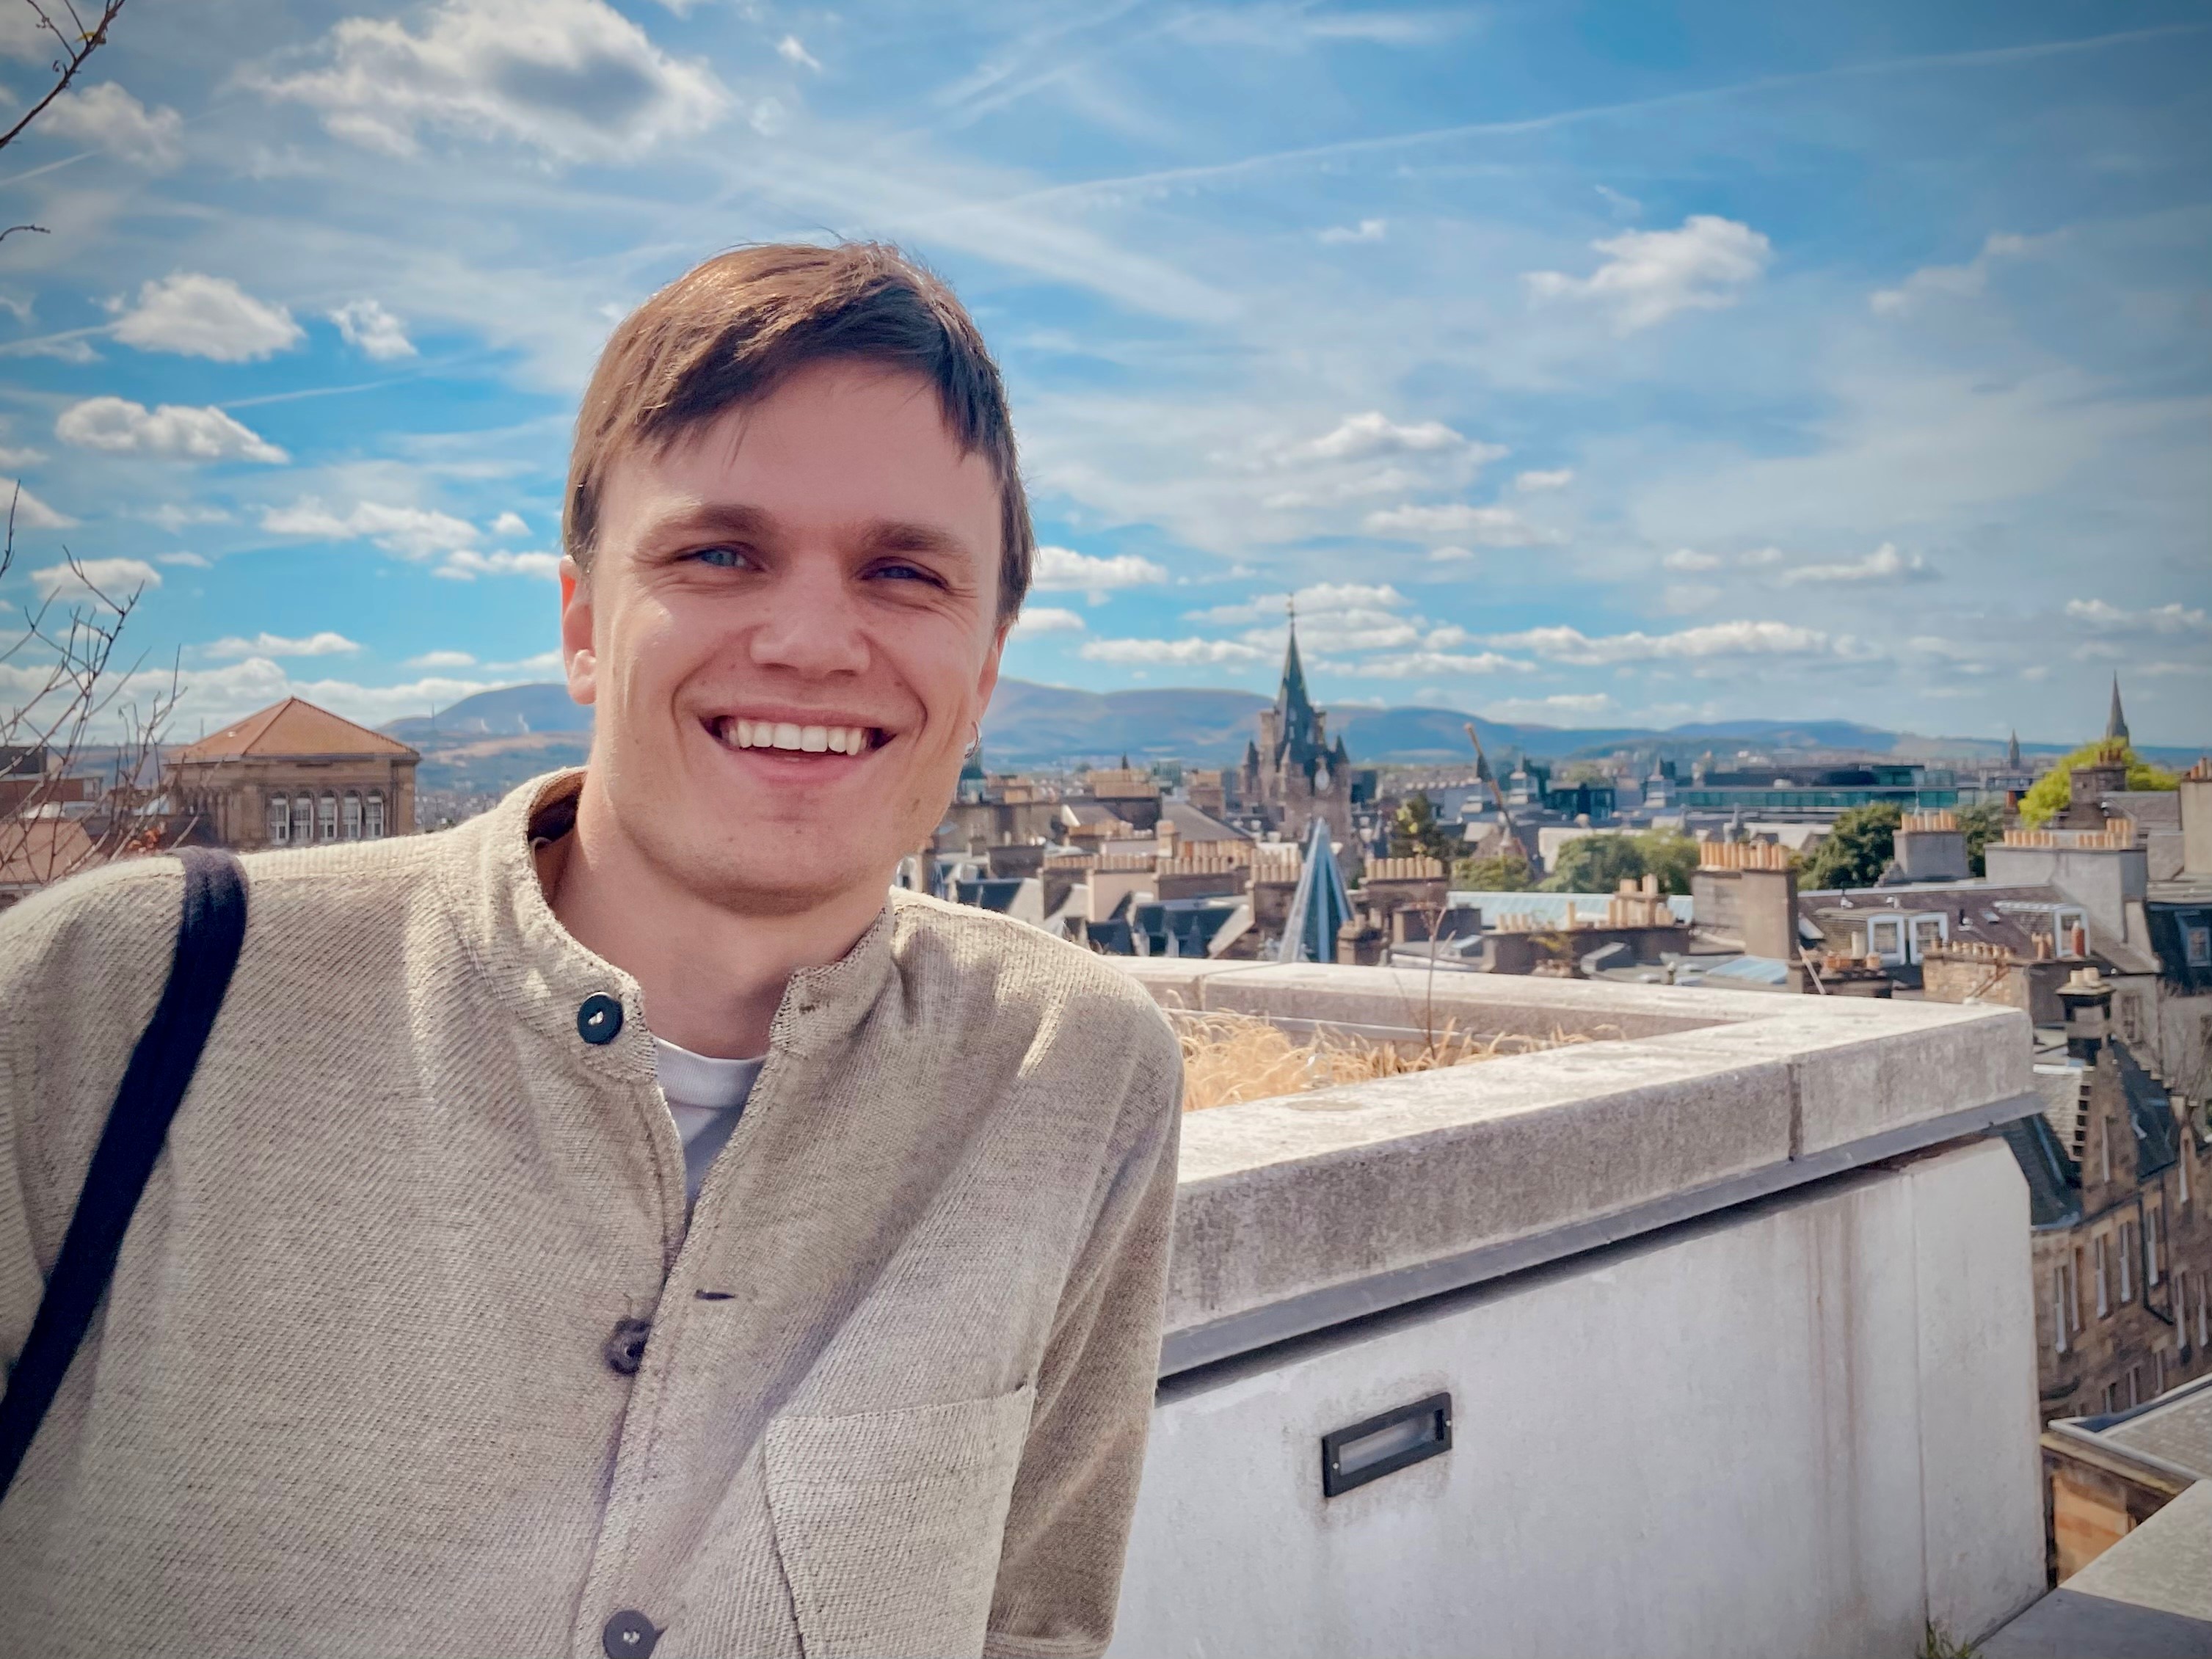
pixel 488 883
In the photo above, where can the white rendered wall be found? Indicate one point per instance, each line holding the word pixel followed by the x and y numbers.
pixel 1798 1430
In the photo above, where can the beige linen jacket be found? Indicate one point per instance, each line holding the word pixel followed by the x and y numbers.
pixel 358 1389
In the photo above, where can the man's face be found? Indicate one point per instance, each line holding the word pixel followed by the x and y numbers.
pixel 789 632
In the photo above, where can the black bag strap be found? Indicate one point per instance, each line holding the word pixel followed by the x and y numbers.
pixel 210 931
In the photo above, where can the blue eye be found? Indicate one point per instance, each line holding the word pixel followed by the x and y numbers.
pixel 722 558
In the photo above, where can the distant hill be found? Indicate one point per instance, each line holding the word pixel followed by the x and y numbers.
pixel 495 738
pixel 510 711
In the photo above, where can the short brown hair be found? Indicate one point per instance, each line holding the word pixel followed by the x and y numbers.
pixel 727 332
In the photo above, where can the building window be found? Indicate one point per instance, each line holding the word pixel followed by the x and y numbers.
pixel 2127 1261
pixel 2058 1309
pixel 327 817
pixel 1927 933
pixel 2103 1278
pixel 352 816
pixel 2074 1291
pixel 303 818
pixel 2197 944
pixel 280 820
pixel 2158 1363
pixel 1886 937
pixel 2105 1147
pixel 2204 1310
pixel 2136 1384
pixel 2111 1397
pixel 2181 1163
pixel 376 808
pixel 2072 927
pixel 2154 1247
pixel 2181 1311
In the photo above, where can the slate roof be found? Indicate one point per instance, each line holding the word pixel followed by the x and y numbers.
pixel 293 729
pixel 2176 1427
pixel 2150 1112
pixel 2053 1200
pixel 1193 826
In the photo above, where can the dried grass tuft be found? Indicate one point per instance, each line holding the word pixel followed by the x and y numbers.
pixel 1231 1058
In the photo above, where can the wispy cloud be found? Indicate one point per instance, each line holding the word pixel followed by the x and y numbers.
pixel 172 432
pixel 573 80
pixel 1649 276
pixel 372 331
pixel 1063 570
pixel 324 644
pixel 1884 564
pixel 1964 281
pixel 194 315
pixel 1367 230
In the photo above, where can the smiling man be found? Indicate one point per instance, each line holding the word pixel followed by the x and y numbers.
pixel 625 1222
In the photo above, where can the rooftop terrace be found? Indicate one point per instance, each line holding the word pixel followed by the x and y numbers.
pixel 1715 1336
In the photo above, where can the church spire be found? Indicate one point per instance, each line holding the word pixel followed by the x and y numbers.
pixel 2116 723
pixel 2011 754
pixel 1292 698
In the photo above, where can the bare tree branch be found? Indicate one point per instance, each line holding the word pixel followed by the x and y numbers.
pixel 12 229
pixel 77 43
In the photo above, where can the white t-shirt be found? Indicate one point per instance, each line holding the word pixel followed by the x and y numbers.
pixel 706 1097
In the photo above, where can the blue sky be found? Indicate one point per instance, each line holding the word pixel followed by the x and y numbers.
pixel 1589 365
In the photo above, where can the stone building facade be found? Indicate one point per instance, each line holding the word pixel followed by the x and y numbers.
pixel 2116 1172
pixel 294 775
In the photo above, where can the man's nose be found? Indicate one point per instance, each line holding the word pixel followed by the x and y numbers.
pixel 811 624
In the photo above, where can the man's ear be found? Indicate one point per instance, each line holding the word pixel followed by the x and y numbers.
pixel 987 681
pixel 577 655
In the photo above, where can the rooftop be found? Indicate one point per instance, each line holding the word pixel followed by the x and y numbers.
pixel 293 729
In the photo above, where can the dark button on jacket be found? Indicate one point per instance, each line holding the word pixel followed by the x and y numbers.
pixel 600 1018
pixel 628 1635
pixel 625 1347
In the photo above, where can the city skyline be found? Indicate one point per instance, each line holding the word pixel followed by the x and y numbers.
pixel 1691 365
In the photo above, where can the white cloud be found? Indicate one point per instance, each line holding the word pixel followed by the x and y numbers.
pixel 1063 570
pixel 1651 275
pixel 1315 602
pixel 29 513
pixel 2157 619
pixel 1964 281
pixel 1759 558
pixel 1884 564
pixel 413 532
pixel 464 564
pixel 372 331
pixel 15 459
pixel 572 79
pixel 109 117
pixel 1367 230
pixel 107 579
pixel 170 432
pixel 1360 437
pixel 323 644
pixel 1488 527
pixel 1045 619
pixel 792 50
pixel 509 524
pixel 194 561
pixel 1530 482
pixel 442 660
pixel 194 315
pixel 1714 640
pixel 1178 652
pixel 174 516
pixel 224 694
pixel 1688 558
pixel 1449 555
pixel 1427 665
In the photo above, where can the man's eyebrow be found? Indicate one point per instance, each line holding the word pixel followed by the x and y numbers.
pixel 904 536
pixel 711 518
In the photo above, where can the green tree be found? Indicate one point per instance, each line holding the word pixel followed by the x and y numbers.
pixel 1598 864
pixel 1505 873
pixel 2048 795
pixel 1416 832
pixel 1670 856
pixel 1982 826
pixel 1860 845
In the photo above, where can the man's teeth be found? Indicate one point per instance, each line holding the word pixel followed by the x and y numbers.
pixel 807 739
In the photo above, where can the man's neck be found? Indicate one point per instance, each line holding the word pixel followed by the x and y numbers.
pixel 711 978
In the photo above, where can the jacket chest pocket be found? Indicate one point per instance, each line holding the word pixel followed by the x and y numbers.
pixel 888 1524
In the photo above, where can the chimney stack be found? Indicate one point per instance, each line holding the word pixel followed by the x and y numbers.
pixel 2087 997
pixel 1767 902
pixel 2196 819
